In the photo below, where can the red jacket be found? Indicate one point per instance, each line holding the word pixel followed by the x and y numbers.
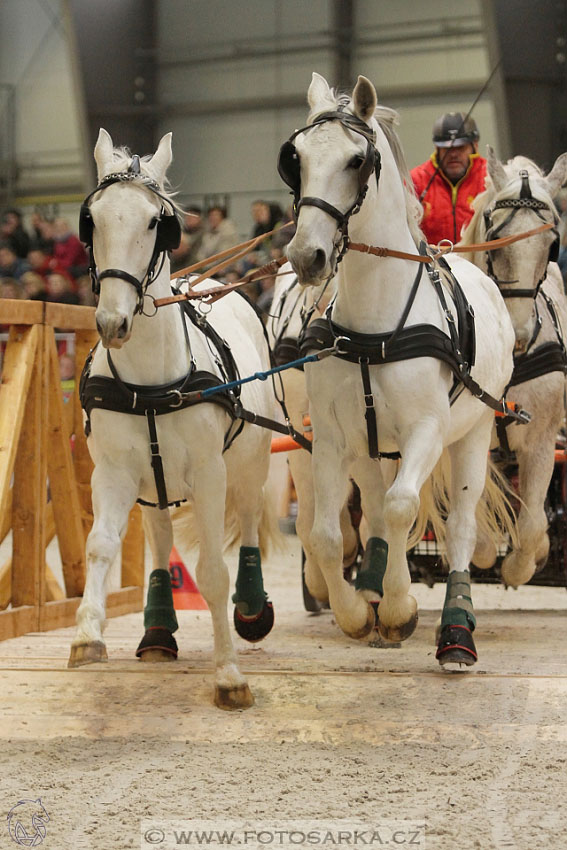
pixel 447 207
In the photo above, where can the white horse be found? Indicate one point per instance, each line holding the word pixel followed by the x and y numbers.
pixel 519 198
pixel 293 307
pixel 365 400
pixel 158 359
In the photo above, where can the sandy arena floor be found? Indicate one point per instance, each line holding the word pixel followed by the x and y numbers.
pixel 125 755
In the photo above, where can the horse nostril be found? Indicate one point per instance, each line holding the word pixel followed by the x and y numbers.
pixel 123 329
pixel 319 260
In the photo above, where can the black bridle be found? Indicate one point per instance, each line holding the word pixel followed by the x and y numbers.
pixel 168 231
pixel 525 201
pixel 289 168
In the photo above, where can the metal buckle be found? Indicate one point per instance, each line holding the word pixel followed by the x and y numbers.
pixel 179 395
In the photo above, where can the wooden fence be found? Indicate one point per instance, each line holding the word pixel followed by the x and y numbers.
pixel 44 485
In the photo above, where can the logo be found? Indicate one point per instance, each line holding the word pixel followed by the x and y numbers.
pixel 26 823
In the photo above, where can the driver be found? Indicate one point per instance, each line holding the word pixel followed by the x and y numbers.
pixel 449 181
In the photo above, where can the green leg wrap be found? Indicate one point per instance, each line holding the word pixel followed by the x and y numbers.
pixel 249 597
pixel 457 608
pixel 159 609
pixel 371 573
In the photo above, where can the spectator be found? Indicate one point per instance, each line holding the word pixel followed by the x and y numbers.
pixel 10 264
pixel 220 234
pixel 13 234
pixel 59 290
pixel 10 288
pixel 85 291
pixel 34 286
pixel 191 238
pixel 43 232
pixel 44 264
pixel 448 182
pixel 68 250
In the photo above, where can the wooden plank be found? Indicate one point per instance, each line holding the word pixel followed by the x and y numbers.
pixel 62 485
pixel 60 615
pixel 70 316
pixel 18 621
pixel 29 499
pixel 5 584
pixel 16 375
pixel 133 549
pixel 16 312
pixel 53 590
pixel 6 518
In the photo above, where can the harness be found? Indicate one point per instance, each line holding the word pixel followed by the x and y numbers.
pixel 550 356
pixel 525 201
pixel 457 349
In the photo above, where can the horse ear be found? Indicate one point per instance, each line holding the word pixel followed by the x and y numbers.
pixel 103 153
pixel 161 160
pixel 495 169
pixel 319 93
pixel 558 175
pixel 364 99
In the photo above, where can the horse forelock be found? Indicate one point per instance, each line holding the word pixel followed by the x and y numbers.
pixel 122 160
pixel 385 119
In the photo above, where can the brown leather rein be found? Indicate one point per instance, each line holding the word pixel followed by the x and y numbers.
pixel 270 269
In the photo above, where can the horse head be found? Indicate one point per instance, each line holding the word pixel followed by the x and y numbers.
pixel 328 165
pixel 129 222
pixel 519 199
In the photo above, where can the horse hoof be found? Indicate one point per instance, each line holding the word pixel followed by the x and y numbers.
pixel 367 627
pixel 456 646
pixel 87 653
pixel 254 628
pixel 231 699
pixel 158 644
pixel 394 634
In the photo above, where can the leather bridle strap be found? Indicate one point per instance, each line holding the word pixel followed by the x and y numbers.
pixel 503 242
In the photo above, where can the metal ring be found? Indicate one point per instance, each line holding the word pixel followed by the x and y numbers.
pixel 153 300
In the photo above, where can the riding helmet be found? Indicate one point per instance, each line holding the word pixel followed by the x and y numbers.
pixel 454 129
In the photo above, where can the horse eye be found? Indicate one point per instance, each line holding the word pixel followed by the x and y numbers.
pixel 356 162
pixel 153 223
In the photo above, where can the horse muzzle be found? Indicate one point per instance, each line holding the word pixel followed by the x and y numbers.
pixel 310 264
pixel 114 328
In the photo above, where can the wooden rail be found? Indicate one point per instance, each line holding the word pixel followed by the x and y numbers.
pixel 44 486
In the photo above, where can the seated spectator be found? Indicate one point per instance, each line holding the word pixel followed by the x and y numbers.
pixel 10 264
pixel 34 286
pixel 85 291
pixel 68 250
pixel 220 234
pixel 44 263
pixel 59 290
pixel 10 288
pixel 43 232
pixel 13 234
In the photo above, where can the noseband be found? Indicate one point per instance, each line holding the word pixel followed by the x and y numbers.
pixel 290 171
pixel 168 232
pixel 525 201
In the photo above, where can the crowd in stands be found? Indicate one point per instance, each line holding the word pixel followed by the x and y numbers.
pixel 48 262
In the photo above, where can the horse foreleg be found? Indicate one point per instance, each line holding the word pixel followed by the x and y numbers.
pixel 253 612
pixel 468 478
pixel 371 480
pixel 209 488
pixel 113 495
pixel 535 468
pixel 420 452
pixel 330 475
pixel 160 621
pixel 302 474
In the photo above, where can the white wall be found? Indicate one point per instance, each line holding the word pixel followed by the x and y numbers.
pixel 425 59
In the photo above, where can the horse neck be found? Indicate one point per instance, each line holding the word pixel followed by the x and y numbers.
pixel 372 291
pixel 157 351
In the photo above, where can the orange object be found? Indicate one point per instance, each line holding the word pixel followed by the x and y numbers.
pixel 186 596
pixel 287 444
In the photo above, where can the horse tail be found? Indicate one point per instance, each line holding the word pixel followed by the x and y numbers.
pixel 269 534
pixel 495 515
